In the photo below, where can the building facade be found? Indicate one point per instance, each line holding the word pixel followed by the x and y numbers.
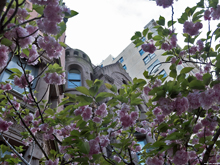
pixel 135 61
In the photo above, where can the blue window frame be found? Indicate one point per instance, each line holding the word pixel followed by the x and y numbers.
pixel 7 73
pixel 125 67
pixel 142 143
pixel 141 52
pixel 153 68
pixel 121 60
pixel 143 39
pixel 163 72
pixel 74 78
pixel 148 58
pixel 152 55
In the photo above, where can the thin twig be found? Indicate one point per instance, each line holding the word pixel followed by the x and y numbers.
pixel 32 151
pixel 14 150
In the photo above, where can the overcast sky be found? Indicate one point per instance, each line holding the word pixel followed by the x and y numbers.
pixel 104 27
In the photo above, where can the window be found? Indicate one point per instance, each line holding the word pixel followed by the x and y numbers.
pixel 163 72
pixel 125 67
pixel 13 64
pixel 84 56
pixel 74 78
pixel 154 67
pixel 76 53
pixel 143 39
pixel 67 53
pixel 141 52
pixel 152 55
pixel 148 58
pixel 142 143
pixel 121 60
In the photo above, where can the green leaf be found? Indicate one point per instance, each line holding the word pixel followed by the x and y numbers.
pixel 186 70
pixel 201 4
pixel 63 44
pixel 50 112
pixel 207 78
pixel 62 26
pixel 169 58
pixel 138 34
pixel 173 73
pixel 39 9
pixel 26 51
pixel 72 14
pixel 145 31
pixel 157 38
pixel 6 42
pixel 149 35
pixel 16 70
pixel 84 147
pixel 83 90
pixel 169 23
pixel 197 15
pixel 213 3
pixel 196 84
pixel 218 143
pixel 161 21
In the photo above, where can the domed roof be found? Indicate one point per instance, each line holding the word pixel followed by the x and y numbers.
pixel 77 52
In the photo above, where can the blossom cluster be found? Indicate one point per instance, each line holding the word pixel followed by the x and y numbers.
pixel 51 46
pixel 32 58
pixel 4 125
pixel 23 81
pixel 3 56
pixel 164 3
pixel 53 14
pixel 55 78
pixel 126 119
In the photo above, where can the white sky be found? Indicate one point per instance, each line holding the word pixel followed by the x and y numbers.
pixel 104 27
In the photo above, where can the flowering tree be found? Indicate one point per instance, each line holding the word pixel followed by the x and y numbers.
pixel 182 117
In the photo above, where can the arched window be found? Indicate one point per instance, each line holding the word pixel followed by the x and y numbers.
pixel 74 78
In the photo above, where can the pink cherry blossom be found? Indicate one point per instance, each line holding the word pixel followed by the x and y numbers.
pixel 166 46
pixel 102 111
pixel 166 105
pixel 197 127
pixel 6 87
pixel 199 76
pixel 97 120
pixel 207 98
pixel 216 13
pixel 94 147
pixel 3 56
pixel 157 111
pixel 191 28
pixel 173 40
pixel 149 47
pixel 117 159
pixel 182 105
pixel 207 15
pixel 4 125
pixel 50 162
pixel 147 89
pixel 181 157
pixel 164 3
pixel 154 161
pixel 87 114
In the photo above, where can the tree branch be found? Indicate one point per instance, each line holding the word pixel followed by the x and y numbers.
pixel 14 150
pixel 210 147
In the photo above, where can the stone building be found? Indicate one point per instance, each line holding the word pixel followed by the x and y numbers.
pixel 79 69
